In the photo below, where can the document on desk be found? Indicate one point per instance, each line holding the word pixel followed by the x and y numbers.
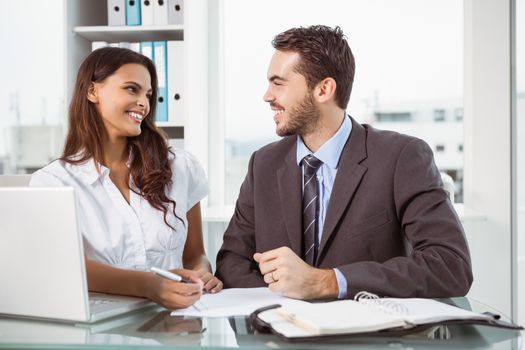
pixel 235 302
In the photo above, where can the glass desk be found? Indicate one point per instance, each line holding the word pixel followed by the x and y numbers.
pixel 155 328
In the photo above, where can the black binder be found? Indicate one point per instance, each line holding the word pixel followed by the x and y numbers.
pixel 262 326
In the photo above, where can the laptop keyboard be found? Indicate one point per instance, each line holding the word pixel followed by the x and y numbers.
pixel 100 303
pixel 109 304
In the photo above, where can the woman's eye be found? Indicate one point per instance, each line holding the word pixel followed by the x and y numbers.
pixel 132 89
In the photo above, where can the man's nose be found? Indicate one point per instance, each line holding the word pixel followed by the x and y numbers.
pixel 268 96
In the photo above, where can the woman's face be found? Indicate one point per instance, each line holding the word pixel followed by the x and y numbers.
pixel 122 100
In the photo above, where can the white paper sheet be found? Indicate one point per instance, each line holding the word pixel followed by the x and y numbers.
pixel 234 302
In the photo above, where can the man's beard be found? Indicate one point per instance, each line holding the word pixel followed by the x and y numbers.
pixel 302 119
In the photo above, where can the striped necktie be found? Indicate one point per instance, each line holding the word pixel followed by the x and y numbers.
pixel 310 208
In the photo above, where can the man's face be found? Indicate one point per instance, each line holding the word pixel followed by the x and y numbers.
pixel 293 104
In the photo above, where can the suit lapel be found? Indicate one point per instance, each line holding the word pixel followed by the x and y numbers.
pixel 347 180
pixel 289 186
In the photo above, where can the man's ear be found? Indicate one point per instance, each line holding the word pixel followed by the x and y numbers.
pixel 325 90
pixel 92 94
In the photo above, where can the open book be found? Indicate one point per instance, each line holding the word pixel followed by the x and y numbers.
pixel 366 314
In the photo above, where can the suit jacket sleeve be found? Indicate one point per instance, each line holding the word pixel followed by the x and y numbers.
pixel 437 263
pixel 235 264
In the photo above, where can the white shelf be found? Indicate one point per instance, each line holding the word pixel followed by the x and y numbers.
pixel 130 33
pixel 468 214
pixel 218 213
pixel 224 213
pixel 169 124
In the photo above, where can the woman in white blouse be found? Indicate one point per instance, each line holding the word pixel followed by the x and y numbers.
pixel 138 202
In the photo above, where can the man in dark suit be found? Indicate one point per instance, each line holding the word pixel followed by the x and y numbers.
pixel 337 207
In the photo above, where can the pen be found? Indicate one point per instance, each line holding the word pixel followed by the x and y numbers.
pixel 168 274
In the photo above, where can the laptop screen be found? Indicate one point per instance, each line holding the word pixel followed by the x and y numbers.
pixel 41 254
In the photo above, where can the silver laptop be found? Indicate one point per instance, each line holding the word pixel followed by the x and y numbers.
pixel 42 268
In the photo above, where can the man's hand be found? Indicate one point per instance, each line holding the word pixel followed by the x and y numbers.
pixel 289 275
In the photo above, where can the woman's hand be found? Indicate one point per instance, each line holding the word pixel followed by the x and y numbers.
pixel 211 283
pixel 175 295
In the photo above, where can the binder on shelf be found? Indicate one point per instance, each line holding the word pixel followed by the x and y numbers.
pixel 146 48
pixel 370 316
pixel 128 45
pixel 160 59
pixel 98 44
pixel 146 12
pixel 176 79
pixel 134 46
pixel 133 13
pixel 175 11
pixel 160 12
pixel 116 12
pixel 124 44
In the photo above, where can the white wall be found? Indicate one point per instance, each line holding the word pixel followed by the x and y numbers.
pixel 520 156
pixel 487 180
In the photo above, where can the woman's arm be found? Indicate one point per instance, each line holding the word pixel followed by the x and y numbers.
pixel 194 257
pixel 172 295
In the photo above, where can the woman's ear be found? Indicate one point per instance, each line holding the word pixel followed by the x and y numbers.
pixel 92 94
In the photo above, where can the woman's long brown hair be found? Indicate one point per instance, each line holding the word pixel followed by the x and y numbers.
pixel 150 167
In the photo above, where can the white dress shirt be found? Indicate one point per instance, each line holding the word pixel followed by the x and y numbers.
pixel 134 235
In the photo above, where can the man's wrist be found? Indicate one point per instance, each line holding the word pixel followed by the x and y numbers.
pixel 327 284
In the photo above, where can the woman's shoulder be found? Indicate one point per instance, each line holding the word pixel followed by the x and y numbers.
pixel 182 159
pixel 186 165
pixel 63 173
pixel 52 174
pixel 188 176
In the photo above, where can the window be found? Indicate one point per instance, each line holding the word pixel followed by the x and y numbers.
pixel 458 114
pixel 460 148
pixel 440 148
pixel 31 93
pixel 391 91
pixel 393 117
pixel 439 115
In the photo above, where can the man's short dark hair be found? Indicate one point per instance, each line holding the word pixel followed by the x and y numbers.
pixel 324 52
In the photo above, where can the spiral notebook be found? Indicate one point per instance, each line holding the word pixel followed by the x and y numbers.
pixel 364 315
